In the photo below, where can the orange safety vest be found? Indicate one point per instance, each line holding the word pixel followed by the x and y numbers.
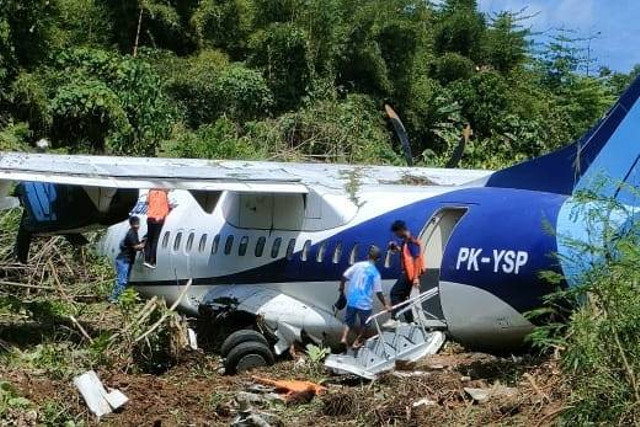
pixel 158 205
pixel 413 267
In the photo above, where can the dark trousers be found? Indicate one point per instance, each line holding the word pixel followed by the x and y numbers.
pixel 153 235
pixel 401 292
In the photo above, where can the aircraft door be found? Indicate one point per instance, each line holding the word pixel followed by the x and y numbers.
pixel 434 239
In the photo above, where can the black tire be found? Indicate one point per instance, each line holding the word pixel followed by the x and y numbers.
pixel 247 355
pixel 238 337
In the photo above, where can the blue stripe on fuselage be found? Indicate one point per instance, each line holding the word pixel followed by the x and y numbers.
pixel 497 219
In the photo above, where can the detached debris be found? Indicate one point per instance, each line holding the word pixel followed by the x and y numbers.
pixel 248 416
pixel 99 401
pixel 295 390
pixel 482 395
pixel 424 402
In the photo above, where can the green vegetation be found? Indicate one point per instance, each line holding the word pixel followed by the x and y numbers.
pixel 290 79
pixel 598 321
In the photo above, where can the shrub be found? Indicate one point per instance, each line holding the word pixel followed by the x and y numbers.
pixel 453 66
pixel 219 140
pixel 207 87
pixel 601 349
pixel 349 131
pixel 282 51
pixel 92 100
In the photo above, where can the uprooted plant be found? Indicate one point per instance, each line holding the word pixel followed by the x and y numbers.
pixel 57 332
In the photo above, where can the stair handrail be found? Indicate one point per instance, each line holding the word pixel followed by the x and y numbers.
pixel 409 303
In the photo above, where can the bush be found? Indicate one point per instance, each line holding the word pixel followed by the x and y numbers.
pixel 282 51
pixel 224 25
pixel 453 66
pixel 219 140
pixel 601 349
pixel 88 117
pixel 15 137
pixel 90 100
pixel 207 87
pixel 348 131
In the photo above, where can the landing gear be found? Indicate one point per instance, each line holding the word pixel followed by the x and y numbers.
pixel 245 349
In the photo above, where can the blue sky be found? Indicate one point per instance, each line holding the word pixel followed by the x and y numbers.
pixel 617 21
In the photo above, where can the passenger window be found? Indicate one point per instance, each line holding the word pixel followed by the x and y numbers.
pixel 304 255
pixel 260 246
pixel 290 248
pixel 228 245
pixel 190 242
pixel 215 245
pixel 176 243
pixel 275 249
pixel 354 254
pixel 203 243
pixel 321 251
pixel 242 248
pixel 165 239
pixel 337 253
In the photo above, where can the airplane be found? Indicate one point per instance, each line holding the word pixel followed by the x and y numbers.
pixel 261 246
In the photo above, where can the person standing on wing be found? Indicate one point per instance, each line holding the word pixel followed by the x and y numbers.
pixel 159 208
pixel 412 266
pixel 129 246
pixel 363 280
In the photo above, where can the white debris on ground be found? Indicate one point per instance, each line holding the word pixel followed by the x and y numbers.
pixel 99 401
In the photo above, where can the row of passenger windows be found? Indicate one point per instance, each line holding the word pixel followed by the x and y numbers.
pixel 274 250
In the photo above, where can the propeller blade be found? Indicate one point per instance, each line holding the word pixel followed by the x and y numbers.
pixel 401 132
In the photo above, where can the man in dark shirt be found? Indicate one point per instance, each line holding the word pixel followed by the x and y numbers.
pixel 127 256
pixel 412 266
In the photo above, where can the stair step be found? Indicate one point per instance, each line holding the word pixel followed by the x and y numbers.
pixel 371 360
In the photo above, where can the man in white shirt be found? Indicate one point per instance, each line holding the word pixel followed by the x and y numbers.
pixel 363 280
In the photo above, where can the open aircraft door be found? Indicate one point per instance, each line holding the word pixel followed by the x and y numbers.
pixel 434 238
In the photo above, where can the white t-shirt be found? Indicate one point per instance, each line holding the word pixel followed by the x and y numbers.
pixel 363 281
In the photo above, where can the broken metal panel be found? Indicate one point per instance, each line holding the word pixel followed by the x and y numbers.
pixel 99 401
pixel 286 318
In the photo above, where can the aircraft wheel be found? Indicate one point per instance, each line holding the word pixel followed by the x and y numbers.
pixel 247 355
pixel 240 336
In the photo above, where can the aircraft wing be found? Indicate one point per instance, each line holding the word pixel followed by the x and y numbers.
pixel 137 173
pixel 216 175
pixel 69 194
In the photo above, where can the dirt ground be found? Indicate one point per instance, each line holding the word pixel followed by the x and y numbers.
pixel 526 391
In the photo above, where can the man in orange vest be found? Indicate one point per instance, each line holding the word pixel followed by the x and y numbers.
pixel 158 203
pixel 412 266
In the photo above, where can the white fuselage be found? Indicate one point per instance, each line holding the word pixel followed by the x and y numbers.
pixel 245 233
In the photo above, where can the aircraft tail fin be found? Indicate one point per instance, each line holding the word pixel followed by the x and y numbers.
pixel 611 149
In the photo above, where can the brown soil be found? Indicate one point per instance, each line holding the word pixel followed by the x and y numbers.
pixel 193 393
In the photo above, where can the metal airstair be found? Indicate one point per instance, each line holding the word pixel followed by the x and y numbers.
pixel 403 343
